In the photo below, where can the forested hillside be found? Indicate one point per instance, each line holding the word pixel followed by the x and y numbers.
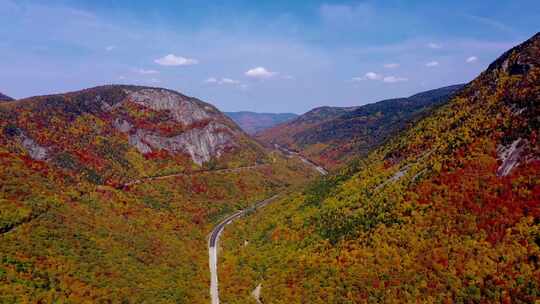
pixel 332 136
pixel 83 218
pixel 447 212
pixel 112 134
pixel 5 98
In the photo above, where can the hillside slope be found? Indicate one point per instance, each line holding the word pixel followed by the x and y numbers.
pixel 446 212
pixel 253 122
pixel 331 136
pixel 5 97
pixel 115 133
pixel 68 236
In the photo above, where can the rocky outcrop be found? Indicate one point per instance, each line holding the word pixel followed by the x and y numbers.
pixel 510 156
pixel 183 109
pixel 33 149
pixel 202 144
pixel 97 128
pixel 205 133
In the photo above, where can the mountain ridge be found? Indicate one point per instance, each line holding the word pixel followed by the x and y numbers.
pixel 330 135
pixel 157 123
pixel 88 214
pixel 5 97
pixel 254 122
pixel 446 211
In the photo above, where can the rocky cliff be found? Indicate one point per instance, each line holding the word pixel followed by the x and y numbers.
pixel 104 131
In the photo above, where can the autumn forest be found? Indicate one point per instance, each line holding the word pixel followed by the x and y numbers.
pixel 136 193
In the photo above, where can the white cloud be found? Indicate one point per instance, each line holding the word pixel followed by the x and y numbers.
pixel 110 48
pixel 433 45
pixel 472 59
pixel 373 76
pixel 146 72
pixel 260 73
pixel 225 81
pixel 173 60
pixel 378 77
pixel 288 77
pixel 228 81
pixel 394 79
pixel 154 80
pixel 391 65
pixel 432 64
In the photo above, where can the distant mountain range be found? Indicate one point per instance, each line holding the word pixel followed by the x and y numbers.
pixel 253 122
pixel 5 97
pixel 331 135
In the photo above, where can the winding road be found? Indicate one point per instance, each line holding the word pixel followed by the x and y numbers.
pixel 216 232
pixel 160 177
pixel 213 244
pixel 286 151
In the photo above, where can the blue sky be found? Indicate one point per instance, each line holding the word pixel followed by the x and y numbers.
pixel 267 56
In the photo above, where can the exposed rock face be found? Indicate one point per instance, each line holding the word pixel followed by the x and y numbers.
pixel 510 156
pixel 182 108
pixel 210 138
pixel 122 125
pixel 35 151
pixel 136 140
pixel 202 144
pixel 95 131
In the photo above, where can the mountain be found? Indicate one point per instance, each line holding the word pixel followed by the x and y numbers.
pixel 104 131
pixel 305 121
pixel 330 135
pixel 447 211
pixel 5 98
pixel 253 122
pixel 107 195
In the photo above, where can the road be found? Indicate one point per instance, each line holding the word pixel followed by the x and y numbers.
pixel 152 178
pixel 213 244
pixel 286 151
pixel 216 232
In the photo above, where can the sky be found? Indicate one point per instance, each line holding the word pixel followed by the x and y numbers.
pixel 264 56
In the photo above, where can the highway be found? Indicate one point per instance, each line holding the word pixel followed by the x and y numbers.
pixel 213 239
pixel 213 244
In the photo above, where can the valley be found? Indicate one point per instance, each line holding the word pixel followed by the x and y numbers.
pixel 253 122
pixel 87 221
pixel 216 232
pixel 392 154
pixel 431 215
